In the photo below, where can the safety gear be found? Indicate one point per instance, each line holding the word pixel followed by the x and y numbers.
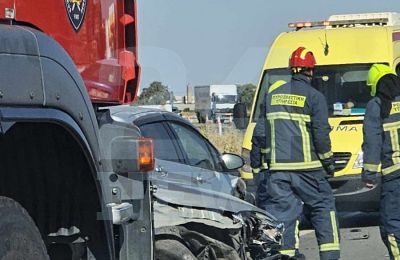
pixel 259 151
pixel 381 141
pixel 387 89
pixel 389 212
pixel 297 135
pixel 375 73
pixel 297 127
pixel 288 191
pixel 381 148
pixel 302 58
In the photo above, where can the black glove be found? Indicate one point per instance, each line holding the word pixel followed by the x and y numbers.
pixel 368 177
pixel 329 166
pixel 240 189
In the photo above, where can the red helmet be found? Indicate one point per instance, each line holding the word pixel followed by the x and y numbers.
pixel 302 58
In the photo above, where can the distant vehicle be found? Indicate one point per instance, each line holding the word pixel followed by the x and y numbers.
pixel 198 199
pixel 215 101
pixel 345 47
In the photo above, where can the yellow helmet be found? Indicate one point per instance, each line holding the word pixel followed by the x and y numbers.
pixel 375 73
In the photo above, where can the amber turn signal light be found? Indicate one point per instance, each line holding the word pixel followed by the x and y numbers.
pixel 146 154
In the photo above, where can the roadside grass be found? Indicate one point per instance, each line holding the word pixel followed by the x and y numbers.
pixel 230 141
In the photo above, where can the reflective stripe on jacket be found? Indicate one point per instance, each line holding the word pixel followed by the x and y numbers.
pixel 297 123
pixel 381 140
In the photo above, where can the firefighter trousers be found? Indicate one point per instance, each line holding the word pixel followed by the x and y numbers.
pixel 390 217
pixel 288 192
pixel 261 180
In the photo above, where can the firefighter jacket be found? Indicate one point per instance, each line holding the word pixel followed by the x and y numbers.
pixel 381 141
pixel 259 151
pixel 297 127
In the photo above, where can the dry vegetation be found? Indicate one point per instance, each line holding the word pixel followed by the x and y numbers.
pixel 230 141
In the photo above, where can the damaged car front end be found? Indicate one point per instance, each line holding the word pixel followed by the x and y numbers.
pixel 214 225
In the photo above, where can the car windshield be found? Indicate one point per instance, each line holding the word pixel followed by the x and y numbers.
pixel 344 87
pixel 225 99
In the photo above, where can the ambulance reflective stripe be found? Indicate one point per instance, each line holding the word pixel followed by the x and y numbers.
pixel 394 248
pixel 290 252
pixel 288 100
pixel 371 167
pixel 325 155
pixel 276 85
pixel 335 246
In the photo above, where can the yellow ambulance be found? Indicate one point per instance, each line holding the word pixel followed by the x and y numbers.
pixel 345 47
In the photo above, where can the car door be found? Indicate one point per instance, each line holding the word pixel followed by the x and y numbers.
pixel 204 163
pixel 170 163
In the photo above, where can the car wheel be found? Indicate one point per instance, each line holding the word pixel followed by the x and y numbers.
pixel 19 236
pixel 169 249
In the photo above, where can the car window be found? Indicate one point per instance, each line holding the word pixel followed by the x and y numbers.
pixel 195 147
pixel 164 147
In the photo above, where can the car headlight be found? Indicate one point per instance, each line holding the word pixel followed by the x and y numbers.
pixel 359 163
pixel 246 156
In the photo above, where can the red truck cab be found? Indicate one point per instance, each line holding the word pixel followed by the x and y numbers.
pixel 100 37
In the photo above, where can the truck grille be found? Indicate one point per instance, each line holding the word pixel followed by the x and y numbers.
pixel 341 160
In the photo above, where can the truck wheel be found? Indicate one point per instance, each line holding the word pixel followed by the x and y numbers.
pixel 19 236
pixel 169 249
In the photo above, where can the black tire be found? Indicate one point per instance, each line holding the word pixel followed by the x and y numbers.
pixel 169 249
pixel 20 239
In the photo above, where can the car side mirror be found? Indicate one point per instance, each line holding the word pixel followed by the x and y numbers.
pixel 232 161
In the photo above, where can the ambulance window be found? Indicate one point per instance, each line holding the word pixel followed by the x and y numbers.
pixel 344 84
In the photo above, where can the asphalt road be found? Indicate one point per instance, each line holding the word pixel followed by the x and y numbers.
pixel 356 244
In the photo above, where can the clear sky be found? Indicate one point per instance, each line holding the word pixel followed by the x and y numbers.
pixel 223 41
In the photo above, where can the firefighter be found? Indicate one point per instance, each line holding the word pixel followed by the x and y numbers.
pixel 300 158
pixel 381 147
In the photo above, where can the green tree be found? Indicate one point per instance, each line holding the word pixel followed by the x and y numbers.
pixel 246 93
pixel 155 94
